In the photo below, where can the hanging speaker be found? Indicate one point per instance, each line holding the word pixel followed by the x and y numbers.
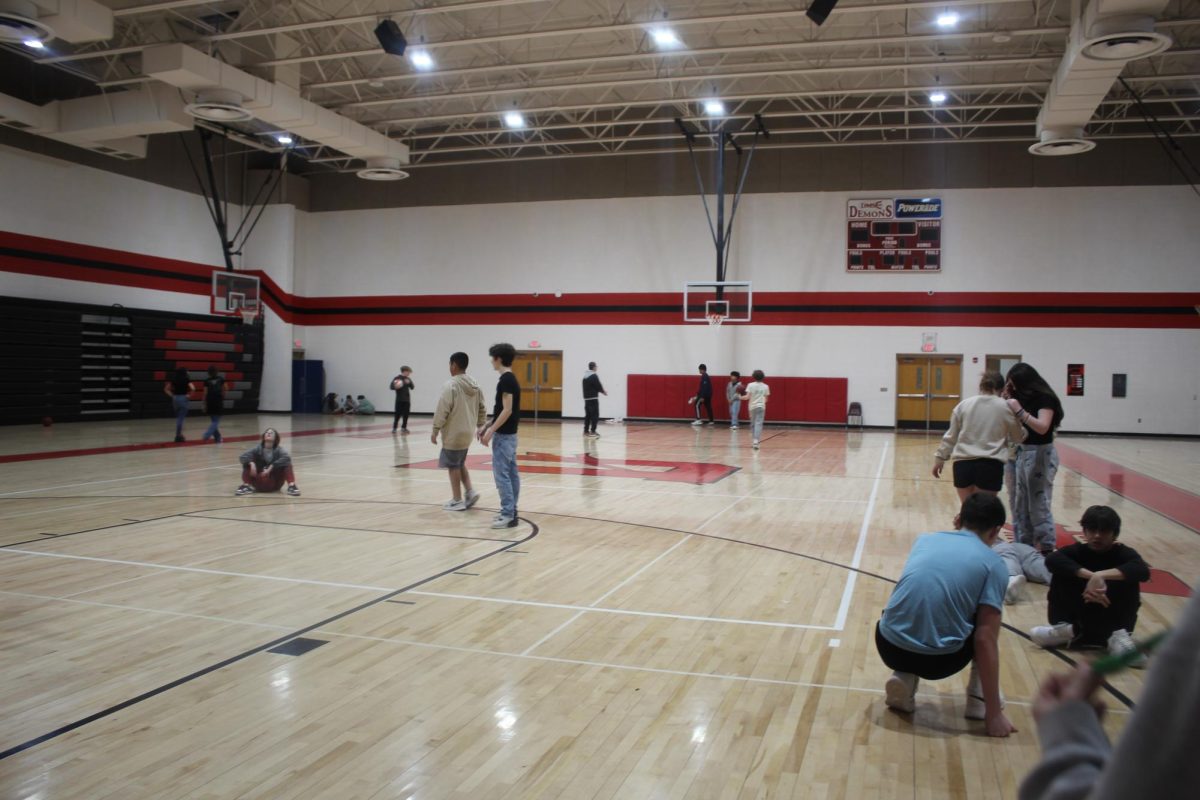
pixel 390 38
pixel 819 10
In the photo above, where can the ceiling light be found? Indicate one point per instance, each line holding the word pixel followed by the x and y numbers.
pixel 947 20
pixel 283 138
pixel 937 97
pixel 420 59
pixel 375 84
pixel 36 44
pixel 664 37
pixel 714 108
pixel 513 119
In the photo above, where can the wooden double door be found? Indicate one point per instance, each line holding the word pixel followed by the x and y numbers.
pixel 928 387
pixel 540 373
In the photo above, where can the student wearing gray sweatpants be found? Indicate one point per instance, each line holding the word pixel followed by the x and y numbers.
pixel 1037 408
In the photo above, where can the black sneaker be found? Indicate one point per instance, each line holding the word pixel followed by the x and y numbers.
pixel 217 438
pixel 245 488
pixel 179 438
pixel 293 490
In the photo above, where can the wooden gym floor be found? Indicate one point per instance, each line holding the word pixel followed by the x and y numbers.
pixel 675 617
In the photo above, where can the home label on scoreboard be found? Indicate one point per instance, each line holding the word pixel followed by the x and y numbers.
pixel 894 235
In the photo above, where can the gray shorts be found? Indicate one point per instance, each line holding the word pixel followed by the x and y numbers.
pixel 452 459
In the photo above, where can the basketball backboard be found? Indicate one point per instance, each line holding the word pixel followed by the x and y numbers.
pixel 732 300
pixel 234 294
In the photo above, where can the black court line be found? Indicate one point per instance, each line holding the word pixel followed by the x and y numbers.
pixel 1116 693
pixel 79 723
pixel 469 574
pixel 1112 690
pixel 204 515
pixel 402 602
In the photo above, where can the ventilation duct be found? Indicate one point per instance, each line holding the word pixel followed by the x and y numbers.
pixel 280 106
pixel 1107 35
pixel 114 124
pixel 218 105
pixel 19 22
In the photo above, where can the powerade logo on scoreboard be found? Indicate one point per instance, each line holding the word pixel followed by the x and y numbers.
pixel 926 207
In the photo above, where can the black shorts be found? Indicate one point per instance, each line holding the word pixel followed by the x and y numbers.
pixel 931 668
pixel 984 473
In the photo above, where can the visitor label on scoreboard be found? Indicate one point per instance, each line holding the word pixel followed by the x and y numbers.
pixel 902 234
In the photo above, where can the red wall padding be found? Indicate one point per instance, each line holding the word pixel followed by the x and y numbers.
pixel 791 400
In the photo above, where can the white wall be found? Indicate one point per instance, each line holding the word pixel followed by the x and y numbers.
pixel 1111 239
pixel 271 249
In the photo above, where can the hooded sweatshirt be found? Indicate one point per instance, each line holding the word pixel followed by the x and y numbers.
pixel 460 411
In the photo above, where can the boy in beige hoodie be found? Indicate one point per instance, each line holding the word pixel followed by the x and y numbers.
pixel 460 416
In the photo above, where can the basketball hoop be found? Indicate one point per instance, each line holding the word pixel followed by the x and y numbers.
pixel 248 315
pixel 715 320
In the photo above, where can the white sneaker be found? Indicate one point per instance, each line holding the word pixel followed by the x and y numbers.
pixel 733 427
pixel 1013 593
pixel 1120 643
pixel 900 692
pixel 471 499
pixel 697 422
pixel 755 444
pixel 504 522
pixel 1053 635
pixel 976 706
pixel 454 505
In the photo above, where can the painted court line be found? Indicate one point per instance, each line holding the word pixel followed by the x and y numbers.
pixel 481 651
pixel 606 595
pixel 1172 502
pixel 852 577
pixel 173 568
pixel 603 610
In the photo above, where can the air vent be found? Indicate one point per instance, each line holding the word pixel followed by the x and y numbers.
pixel 382 169
pixel 19 22
pixel 1124 38
pixel 1066 146
pixel 218 105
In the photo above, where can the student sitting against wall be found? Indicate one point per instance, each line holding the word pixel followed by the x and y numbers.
pixel 944 615
pixel 267 466
pixel 365 406
pixel 1094 594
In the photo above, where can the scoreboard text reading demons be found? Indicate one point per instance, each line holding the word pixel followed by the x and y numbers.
pixel 894 235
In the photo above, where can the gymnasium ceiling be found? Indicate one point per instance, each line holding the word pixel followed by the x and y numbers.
pixel 590 79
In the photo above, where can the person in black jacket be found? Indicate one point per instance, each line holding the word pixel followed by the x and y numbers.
pixel 1094 594
pixel 214 403
pixel 402 385
pixel 592 389
pixel 177 389
pixel 703 395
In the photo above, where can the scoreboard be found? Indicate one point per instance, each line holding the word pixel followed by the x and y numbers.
pixel 894 235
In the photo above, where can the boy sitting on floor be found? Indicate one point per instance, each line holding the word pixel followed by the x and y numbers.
pixel 1094 593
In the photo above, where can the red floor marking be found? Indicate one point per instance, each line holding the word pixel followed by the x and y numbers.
pixel 1177 505
pixel 133 448
pixel 551 464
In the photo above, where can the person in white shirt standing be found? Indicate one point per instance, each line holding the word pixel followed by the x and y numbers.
pixel 757 394
pixel 981 428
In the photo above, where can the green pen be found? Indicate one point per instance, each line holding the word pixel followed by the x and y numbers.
pixel 1109 665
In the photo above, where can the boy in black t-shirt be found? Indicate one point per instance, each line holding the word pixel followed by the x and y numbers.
pixel 1094 594
pixel 506 414
pixel 214 403
pixel 402 385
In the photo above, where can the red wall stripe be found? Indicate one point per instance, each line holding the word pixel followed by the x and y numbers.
pixel 1156 310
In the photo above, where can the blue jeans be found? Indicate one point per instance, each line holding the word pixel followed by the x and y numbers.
pixel 504 470
pixel 735 408
pixel 1033 520
pixel 212 429
pixel 756 421
pixel 180 403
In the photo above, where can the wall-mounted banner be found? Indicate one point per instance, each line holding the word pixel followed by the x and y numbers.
pixel 894 235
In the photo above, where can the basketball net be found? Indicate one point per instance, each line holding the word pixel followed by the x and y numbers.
pixel 248 315
pixel 715 320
